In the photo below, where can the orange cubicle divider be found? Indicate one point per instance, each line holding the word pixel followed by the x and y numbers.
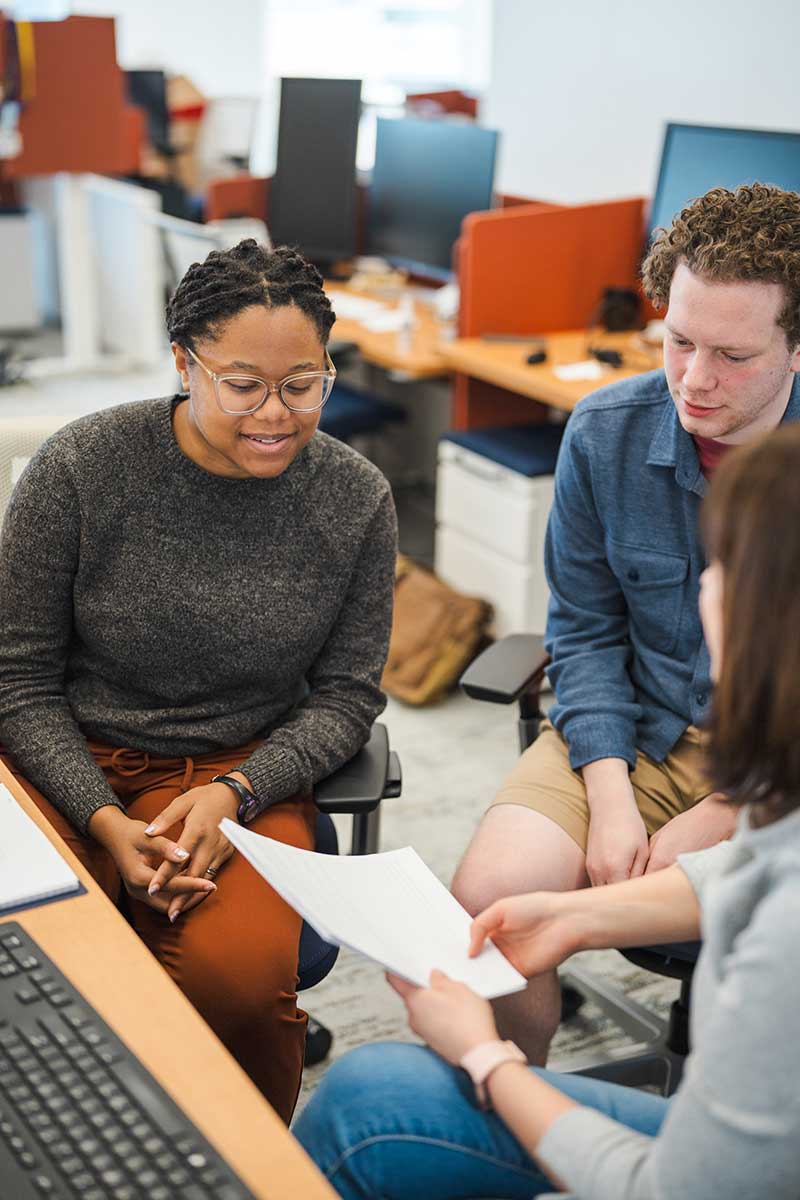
pixel 77 117
pixel 536 269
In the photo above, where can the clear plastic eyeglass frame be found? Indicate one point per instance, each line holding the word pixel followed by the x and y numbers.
pixel 326 378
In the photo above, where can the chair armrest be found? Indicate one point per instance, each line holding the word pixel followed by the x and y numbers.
pixel 508 669
pixel 361 784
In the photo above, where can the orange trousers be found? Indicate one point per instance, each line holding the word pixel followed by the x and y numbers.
pixel 235 955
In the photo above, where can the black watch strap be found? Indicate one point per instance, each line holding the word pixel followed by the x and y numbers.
pixel 247 799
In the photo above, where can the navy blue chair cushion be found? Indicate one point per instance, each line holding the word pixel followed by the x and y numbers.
pixel 349 412
pixel 316 957
pixel 528 449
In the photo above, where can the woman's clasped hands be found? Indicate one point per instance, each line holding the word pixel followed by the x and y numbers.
pixel 171 875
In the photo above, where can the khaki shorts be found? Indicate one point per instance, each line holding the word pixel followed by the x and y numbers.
pixel 544 780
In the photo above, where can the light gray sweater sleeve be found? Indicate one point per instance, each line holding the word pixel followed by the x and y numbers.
pixel 733 1130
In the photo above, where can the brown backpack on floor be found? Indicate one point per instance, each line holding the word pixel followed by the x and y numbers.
pixel 436 632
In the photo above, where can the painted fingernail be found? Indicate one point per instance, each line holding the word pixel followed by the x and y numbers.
pixel 150 829
pixel 154 887
pixel 173 917
pixel 181 853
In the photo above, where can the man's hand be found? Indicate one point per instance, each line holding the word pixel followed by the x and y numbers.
pixel 617 846
pixel 709 821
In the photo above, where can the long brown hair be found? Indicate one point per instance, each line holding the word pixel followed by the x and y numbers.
pixel 751 524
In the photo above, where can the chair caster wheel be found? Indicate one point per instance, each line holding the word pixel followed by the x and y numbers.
pixel 318 1043
pixel 571 1001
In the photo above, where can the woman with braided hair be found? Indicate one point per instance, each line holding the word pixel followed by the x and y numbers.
pixel 195 606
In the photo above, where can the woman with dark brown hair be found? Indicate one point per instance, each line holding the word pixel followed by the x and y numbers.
pixel 389 1117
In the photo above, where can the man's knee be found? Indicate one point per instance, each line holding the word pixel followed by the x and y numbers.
pixel 516 850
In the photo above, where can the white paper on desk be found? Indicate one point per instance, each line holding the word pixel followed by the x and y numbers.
pixel 389 907
pixel 392 320
pixel 31 868
pixel 571 372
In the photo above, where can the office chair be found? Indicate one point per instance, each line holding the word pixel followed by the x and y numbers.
pixel 513 670
pixel 358 787
pixel 351 413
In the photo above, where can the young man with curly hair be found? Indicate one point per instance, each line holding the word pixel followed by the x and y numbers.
pixel 614 786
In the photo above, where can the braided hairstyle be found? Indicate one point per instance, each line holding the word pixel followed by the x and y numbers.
pixel 213 291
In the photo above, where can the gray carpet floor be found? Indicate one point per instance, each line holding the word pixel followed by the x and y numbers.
pixel 453 756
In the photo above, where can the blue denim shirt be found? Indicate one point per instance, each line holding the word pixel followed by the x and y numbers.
pixel 623 560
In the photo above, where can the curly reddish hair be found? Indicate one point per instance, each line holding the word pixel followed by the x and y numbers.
pixel 752 233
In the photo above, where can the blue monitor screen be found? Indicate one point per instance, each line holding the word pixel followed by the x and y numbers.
pixel 698 157
pixel 428 175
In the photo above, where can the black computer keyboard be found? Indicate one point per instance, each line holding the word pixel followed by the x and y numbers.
pixel 80 1117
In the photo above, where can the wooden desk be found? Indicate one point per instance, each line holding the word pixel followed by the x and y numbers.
pixel 509 384
pixel 421 359
pixel 503 364
pixel 98 951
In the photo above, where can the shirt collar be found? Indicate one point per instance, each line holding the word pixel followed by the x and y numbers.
pixel 672 446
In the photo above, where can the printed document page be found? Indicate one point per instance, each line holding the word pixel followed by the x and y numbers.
pixel 31 869
pixel 389 907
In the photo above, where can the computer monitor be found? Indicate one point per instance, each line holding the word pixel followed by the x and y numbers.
pixel 696 158
pixel 148 90
pixel 428 175
pixel 313 193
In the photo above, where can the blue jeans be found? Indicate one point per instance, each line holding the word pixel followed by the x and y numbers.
pixel 392 1121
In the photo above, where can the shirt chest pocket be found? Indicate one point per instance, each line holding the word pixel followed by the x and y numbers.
pixel 654 585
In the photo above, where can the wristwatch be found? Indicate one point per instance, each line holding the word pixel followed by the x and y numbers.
pixel 482 1060
pixel 247 799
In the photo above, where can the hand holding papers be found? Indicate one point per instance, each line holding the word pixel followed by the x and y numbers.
pixel 389 907
pixel 31 869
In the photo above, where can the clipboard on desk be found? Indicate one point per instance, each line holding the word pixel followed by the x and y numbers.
pixel 32 872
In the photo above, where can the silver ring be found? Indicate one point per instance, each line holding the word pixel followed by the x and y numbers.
pixel 212 872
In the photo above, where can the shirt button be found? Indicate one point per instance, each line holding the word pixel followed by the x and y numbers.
pixel 701 698
pixel 633 575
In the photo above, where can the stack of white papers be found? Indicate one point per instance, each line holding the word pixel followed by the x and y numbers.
pixel 389 907
pixel 31 869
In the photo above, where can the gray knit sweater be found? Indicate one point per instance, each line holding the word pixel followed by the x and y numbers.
pixel 147 603
pixel 733 1128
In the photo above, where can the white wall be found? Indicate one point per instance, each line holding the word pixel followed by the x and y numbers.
pixel 581 90
pixel 218 45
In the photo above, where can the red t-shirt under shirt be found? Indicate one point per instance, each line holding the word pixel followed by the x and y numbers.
pixel 710 453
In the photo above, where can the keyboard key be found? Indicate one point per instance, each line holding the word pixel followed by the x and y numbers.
pixel 112 1177
pixel 71 1166
pixel 10 941
pixel 44 1184
pixel 145 1092
pixel 59 999
pixel 25 960
pixel 27 995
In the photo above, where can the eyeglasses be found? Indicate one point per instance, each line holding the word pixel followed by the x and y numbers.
pixel 239 395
